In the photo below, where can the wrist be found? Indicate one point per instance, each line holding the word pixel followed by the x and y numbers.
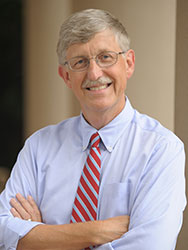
pixel 96 230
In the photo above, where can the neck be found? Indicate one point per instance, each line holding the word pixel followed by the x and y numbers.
pixel 99 119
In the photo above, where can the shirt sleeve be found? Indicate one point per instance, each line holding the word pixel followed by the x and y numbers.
pixel 23 179
pixel 158 203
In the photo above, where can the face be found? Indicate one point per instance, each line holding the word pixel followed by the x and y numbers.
pixel 108 98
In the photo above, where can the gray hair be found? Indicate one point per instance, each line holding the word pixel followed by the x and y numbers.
pixel 82 26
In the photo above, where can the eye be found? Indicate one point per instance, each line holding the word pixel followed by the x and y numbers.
pixel 79 62
pixel 105 57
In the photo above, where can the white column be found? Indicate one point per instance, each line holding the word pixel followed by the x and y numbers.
pixel 46 98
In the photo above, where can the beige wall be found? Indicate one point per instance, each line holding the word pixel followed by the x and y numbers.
pixel 153 89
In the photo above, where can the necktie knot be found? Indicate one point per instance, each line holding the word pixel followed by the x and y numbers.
pixel 95 140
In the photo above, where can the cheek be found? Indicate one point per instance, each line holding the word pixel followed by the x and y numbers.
pixel 76 86
pixel 76 79
pixel 120 78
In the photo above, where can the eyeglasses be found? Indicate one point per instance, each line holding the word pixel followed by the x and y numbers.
pixel 103 60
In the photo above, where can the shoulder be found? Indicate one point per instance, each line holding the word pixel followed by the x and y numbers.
pixel 163 150
pixel 151 134
pixel 54 135
pixel 43 146
pixel 152 127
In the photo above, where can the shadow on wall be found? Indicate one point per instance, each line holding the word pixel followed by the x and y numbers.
pixel 4 175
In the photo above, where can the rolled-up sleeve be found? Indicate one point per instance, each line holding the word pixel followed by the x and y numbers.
pixel 12 230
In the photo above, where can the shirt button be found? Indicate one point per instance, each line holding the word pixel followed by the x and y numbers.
pixel 109 148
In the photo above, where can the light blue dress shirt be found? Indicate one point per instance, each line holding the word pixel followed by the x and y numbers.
pixel 142 176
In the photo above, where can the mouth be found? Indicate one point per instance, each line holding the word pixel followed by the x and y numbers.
pixel 104 86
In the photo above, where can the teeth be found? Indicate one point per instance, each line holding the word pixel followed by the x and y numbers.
pixel 100 87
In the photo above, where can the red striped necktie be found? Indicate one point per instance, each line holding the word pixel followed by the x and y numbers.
pixel 86 200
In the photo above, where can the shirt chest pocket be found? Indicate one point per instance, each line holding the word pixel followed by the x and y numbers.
pixel 114 200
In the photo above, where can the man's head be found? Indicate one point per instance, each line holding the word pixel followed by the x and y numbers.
pixel 82 26
pixel 95 62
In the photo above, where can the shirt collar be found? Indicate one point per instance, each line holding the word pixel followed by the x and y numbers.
pixel 111 132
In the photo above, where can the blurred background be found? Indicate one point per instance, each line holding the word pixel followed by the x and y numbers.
pixel 32 95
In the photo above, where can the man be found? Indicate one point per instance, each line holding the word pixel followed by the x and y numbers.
pixel 129 193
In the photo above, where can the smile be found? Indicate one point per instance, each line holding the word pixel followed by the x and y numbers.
pixel 99 87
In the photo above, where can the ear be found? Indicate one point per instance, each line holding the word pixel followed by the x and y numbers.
pixel 63 73
pixel 130 62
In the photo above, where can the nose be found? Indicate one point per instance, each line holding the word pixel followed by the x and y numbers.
pixel 94 71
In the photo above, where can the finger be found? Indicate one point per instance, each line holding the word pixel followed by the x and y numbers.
pixel 24 203
pixel 123 218
pixel 15 213
pixel 32 202
pixel 36 212
pixel 20 210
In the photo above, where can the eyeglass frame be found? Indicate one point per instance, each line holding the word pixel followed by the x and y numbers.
pixel 95 58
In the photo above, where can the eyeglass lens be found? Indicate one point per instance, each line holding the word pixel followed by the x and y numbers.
pixel 104 59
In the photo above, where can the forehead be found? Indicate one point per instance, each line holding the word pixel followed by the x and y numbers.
pixel 102 41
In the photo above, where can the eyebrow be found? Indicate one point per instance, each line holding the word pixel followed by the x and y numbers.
pixel 100 51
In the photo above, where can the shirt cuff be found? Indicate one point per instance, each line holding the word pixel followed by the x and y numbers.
pixel 15 230
pixel 106 246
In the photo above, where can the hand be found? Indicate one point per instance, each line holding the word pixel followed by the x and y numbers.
pixel 25 209
pixel 113 228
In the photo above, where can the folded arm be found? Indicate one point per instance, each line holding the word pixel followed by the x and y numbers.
pixel 67 236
